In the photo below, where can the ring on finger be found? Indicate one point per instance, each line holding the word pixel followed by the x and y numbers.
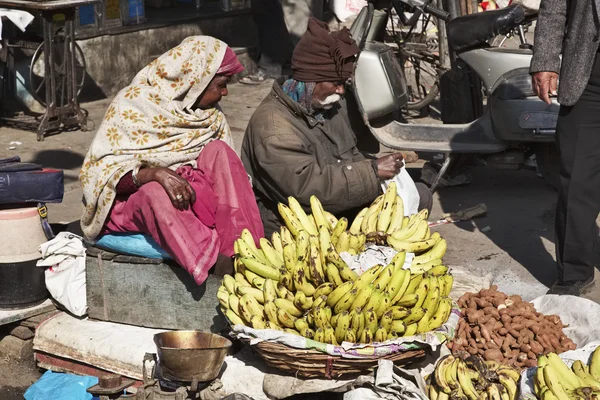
pixel 179 197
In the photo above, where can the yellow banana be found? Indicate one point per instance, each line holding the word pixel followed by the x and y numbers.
pixel 415 281
pixel 248 307
pixel 493 392
pixel 258 322
pixel 324 289
pixel 261 269
pixel 277 242
pixel 340 227
pixel 283 292
pixel 431 305
pixel 255 293
pixel 366 337
pixel 510 385
pixel 286 236
pixel 258 282
pixel 247 237
pixel 448 282
pixel 423 291
pixel 271 312
pixel 324 243
pixel 345 302
pixel 357 320
pixel 302 245
pixel 465 382
pixel 409 300
pixel 342 326
pixel 362 297
pixel 432 392
pixel 438 270
pixel 386 320
pixel 338 293
pixel 588 380
pixel 408 231
pixel 441 315
pixel 384 277
pixel 234 303
pixel 343 242
pixel 233 318
pixel 302 302
pixel 420 268
pixel 416 314
pixel 354 247
pixel 273 257
pixel 333 275
pixel 437 252
pixel 384 304
pixel 289 307
pixel 568 379
pixel 320 317
pixel 287 281
pixel 319 302
pixel 331 218
pixel 246 251
pixel 440 374
pixel 397 216
pixel 373 209
pixel 223 296
pixel 398 284
pixel 297 209
pixel 319 213
pixel 291 220
pixel 289 256
pixel 307 333
pixel 345 272
pixel 356 226
pixel 241 280
pixel 422 232
pixel 399 312
pixel 389 202
pixel 380 335
pixel 228 282
pixel 595 364
pixel 301 323
pixel 368 276
pixel 285 318
pixel 371 322
pixel 329 335
pixel 411 247
pixel 238 267
pixel 398 327
pixel 374 301
pixel 350 337
pixel 270 290
pixel 300 281
pixel 317 272
pixel 411 330
pixel 319 335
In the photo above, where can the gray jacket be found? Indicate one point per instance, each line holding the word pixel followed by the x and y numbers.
pixel 289 153
pixel 570 28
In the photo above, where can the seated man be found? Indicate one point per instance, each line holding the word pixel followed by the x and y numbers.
pixel 299 142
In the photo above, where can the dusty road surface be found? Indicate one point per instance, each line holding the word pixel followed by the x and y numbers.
pixel 517 251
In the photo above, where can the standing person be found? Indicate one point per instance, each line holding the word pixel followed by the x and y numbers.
pixel 300 142
pixel 162 163
pixel 571 28
pixel 279 24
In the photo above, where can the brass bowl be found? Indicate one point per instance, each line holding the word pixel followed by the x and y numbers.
pixel 191 355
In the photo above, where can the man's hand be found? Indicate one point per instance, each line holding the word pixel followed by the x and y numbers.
pixel 389 166
pixel 544 84
pixel 179 190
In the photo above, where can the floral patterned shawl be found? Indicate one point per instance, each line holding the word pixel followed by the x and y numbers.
pixel 151 121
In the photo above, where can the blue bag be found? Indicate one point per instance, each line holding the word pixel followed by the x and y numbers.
pixel 58 386
pixel 135 244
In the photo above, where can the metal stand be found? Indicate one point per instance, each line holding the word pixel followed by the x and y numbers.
pixel 57 114
pixel 442 172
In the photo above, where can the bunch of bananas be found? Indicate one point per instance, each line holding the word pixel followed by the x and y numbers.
pixel 298 282
pixel 555 381
pixel 472 379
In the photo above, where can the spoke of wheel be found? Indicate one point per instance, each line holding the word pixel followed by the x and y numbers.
pixel 41 83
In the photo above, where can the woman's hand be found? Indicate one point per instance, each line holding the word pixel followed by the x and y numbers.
pixel 179 190
pixel 389 166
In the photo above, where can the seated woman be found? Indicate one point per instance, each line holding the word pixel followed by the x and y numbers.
pixel 162 163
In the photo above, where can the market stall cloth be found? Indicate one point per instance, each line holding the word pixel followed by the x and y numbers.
pixel 20 18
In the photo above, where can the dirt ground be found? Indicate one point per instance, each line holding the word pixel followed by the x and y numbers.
pixel 513 243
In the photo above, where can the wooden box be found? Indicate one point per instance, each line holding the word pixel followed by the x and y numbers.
pixel 149 292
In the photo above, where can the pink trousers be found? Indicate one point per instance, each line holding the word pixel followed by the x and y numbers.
pixel 224 206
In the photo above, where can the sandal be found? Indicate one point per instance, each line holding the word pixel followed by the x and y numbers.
pixel 254 79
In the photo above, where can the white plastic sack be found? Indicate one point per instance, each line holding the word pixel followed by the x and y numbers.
pixel 65 276
pixel 407 190
pixel 344 9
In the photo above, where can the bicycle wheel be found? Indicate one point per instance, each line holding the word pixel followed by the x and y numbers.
pixel 37 72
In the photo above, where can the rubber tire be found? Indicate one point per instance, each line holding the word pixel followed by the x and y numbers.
pixel 547 157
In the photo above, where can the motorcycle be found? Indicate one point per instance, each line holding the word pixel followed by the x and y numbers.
pixel 515 123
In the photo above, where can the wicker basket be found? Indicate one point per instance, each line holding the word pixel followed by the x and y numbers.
pixel 315 364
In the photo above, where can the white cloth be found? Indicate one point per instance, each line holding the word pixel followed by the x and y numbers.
pixel 407 190
pixel 20 18
pixel 65 276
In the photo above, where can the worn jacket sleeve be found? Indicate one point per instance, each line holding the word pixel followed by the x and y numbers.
pixel 549 35
pixel 289 167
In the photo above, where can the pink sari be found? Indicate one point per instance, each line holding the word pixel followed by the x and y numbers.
pixel 224 206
